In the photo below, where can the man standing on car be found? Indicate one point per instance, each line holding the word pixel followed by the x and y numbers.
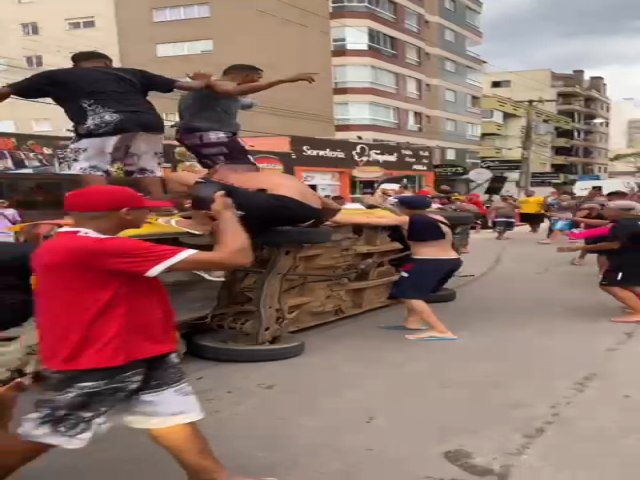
pixel 108 335
pixel 112 118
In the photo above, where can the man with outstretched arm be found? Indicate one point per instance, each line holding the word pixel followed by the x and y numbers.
pixel 108 334
pixel 112 118
pixel 209 124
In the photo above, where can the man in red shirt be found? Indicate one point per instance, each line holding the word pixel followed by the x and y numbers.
pixel 107 332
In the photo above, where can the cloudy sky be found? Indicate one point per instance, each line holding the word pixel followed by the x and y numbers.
pixel 598 36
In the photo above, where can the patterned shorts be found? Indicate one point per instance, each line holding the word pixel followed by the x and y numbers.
pixel 140 154
pixel 212 149
pixel 75 405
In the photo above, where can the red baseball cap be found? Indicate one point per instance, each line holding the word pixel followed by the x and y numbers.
pixel 107 198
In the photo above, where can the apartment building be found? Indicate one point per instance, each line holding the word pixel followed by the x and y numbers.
pixel 173 38
pixel 42 34
pixel 503 126
pixel 582 147
pixel 405 71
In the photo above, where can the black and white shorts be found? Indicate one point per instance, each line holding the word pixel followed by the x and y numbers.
pixel 504 224
pixel 141 155
pixel 621 276
pixel 76 405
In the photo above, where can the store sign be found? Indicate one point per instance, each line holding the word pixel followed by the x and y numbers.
pixel 329 153
pixel 269 163
pixel 501 165
pixel 545 179
pixel 368 173
pixel 450 170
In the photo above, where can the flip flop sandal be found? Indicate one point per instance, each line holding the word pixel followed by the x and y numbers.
pixel 630 322
pixel 433 339
pixel 401 328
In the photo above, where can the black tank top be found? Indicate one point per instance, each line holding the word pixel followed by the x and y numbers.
pixel 423 228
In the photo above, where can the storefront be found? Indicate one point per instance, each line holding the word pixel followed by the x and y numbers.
pixel 31 153
pixel 452 176
pixel 341 167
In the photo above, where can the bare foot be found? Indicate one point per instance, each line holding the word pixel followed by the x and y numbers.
pixel 633 317
pixel 429 335
pixel 577 262
pixel 544 242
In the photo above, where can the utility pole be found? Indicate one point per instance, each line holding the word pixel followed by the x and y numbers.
pixel 524 181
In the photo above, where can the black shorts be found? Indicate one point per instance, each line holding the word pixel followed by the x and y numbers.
pixel 532 219
pixel 76 405
pixel 504 224
pixel 420 277
pixel 260 211
pixel 213 149
pixel 621 277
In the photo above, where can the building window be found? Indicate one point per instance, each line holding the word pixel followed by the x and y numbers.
pixel 175 49
pixel 450 65
pixel 414 121
pixel 412 53
pixel 450 4
pixel 365 113
pixel 412 20
pixel 413 87
pixel 358 38
pixel 473 103
pixel 450 95
pixel 472 17
pixel 8 126
pixel 30 29
pixel 41 125
pixel 26 1
pixel 501 84
pixel 382 42
pixel 80 23
pixel 450 154
pixel 449 34
pixel 474 77
pixel 170 116
pixel 473 131
pixel 383 8
pixel 34 61
pixel 4 64
pixel 181 12
pixel 358 76
pixel 450 125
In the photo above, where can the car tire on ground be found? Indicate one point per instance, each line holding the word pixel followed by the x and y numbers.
pixel 443 296
pixel 221 347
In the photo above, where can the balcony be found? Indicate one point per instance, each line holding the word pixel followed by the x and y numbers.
pixel 572 106
pixel 562 142
pixel 490 152
pixel 506 105
pixel 492 128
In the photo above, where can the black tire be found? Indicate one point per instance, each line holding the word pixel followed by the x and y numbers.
pixel 295 236
pixel 443 296
pixel 456 219
pixel 219 346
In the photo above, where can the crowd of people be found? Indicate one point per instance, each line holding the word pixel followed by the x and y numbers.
pixel 114 348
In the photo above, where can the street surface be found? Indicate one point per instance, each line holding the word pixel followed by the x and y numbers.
pixel 540 387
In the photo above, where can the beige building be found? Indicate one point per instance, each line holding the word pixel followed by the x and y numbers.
pixel 42 34
pixel 405 71
pixel 625 125
pixel 503 127
pixel 582 148
pixel 175 37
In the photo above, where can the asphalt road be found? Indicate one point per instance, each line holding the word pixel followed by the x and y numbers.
pixel 540 386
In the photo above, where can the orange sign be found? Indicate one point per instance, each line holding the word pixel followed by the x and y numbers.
pixel 269 163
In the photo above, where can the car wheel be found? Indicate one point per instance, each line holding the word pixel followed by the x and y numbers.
pixel 228 347
pixel 443 296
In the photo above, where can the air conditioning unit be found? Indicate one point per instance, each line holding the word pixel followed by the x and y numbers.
pixel 414 128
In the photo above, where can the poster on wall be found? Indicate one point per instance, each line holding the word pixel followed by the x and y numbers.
pixel 31 154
